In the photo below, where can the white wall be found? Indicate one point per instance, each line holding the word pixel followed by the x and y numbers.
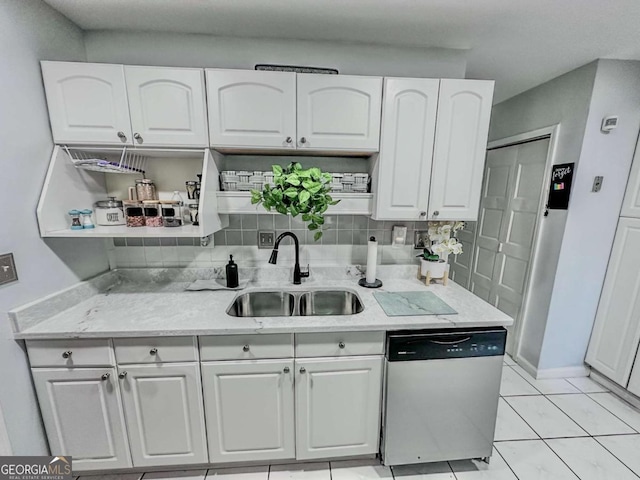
pixel 593 217
pixel 186 50
pixel 565 101
pixel 31 31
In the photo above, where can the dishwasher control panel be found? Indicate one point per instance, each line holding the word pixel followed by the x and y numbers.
pixel 450 343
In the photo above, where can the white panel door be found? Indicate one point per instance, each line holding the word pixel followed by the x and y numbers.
pixel 251 108
pixel 631 204
pixel 462 264
pixel 464 111
pixel 83 416
pixel 164 413
pixel 168 106
pixel 87 103
pixel 406 148
pixel 634 381
pixel 250 410
pixel 339 112
pixel 338 406
pixel 616 332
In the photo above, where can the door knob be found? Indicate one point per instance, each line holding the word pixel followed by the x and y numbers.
pixel 105 376
pixel 245 348
pixel 303 140
pixel 286 370
pixel 153 351
pixel 67 354
pixel 423 214
pixel 138 137
pixel 289 140
pixel 302 369
pixel 122 136
pixel 436 213
pixel 122 374
pixel 341 345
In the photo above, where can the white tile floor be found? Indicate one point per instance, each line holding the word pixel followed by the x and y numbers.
pixel 546 430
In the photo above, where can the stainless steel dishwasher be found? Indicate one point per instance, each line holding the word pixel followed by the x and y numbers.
pixel 441 396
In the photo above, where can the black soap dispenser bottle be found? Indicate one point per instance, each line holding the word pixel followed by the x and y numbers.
pixel 232 273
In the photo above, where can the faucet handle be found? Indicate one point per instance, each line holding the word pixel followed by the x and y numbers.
pixel 305 273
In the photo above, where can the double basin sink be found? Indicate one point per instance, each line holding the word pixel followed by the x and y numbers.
pixel 281 303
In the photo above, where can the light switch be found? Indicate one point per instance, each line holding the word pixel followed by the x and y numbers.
pixel 8 272
pixel 266 239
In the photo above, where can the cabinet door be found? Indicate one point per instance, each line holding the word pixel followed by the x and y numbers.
pixel 616 332
pixel 164 412
pixel 83 416
pixel 249 408
pixel 168 106
pixel 406 148
pixel 338 406
pixel 634 381
pixel 251 108
pixel 339 112
pixel 464 111
pixel 87 103
pixel 631 204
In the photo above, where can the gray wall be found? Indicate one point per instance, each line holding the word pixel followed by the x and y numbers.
pixel 565 101
pixel 172 49
pixel 30 31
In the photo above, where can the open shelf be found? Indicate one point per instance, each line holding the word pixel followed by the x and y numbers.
pixel 350 204
pixel 129 232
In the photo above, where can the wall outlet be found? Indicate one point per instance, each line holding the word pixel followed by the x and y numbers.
pixel 421 239
pixel 8 272
pixel 266 238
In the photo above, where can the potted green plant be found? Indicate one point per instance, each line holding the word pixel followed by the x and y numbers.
pixel 442 245
pixel 297 191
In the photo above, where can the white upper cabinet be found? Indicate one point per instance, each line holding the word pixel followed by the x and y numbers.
pixel 167 105
pixel 87 103
pixel 164 412
pixel 250 410
pixel 616 332
pixel 464 111
pixel 631 204
pixel 406 148
pixel 251 108
pixel 339 112
pixel 338 406
pixel 83 416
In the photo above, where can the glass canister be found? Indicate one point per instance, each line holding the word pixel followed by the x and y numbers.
pixel 134 214
pixel 171 213
pixel 146 189
pixel 194 213
pixel 152 213
pixel 109 212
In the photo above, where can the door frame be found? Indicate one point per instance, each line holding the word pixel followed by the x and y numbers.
pixel 551 132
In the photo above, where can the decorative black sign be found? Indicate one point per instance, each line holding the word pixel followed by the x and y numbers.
pixel 561 178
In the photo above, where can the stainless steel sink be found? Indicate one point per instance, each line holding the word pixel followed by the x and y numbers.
pixel 330 302
pixel 263 304
pixel 280 303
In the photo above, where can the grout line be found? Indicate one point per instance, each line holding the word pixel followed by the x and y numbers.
pixel 505 461
pixel 561 459
pixel 614 455
pixel 612 413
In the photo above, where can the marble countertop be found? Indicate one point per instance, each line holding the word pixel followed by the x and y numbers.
pixel 129 306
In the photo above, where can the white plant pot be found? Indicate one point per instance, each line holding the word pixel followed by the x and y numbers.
pixel 436 269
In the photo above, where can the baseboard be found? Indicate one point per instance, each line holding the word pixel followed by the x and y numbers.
pixel 615 388
pixel 526 366
pixel 566 372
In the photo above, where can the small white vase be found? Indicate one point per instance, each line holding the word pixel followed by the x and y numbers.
pixel 436 269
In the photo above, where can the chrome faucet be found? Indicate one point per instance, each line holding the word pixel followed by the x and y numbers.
pixel 297 274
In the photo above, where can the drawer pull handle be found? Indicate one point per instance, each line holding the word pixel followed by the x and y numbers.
pixel 245 348
pixel 341 345
pixel 105 376
pixel 286 370
pixel 302 369
pixel 67 354
pixel 153 351
pixel 123 374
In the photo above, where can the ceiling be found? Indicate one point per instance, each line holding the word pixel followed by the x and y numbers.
pixel 519 43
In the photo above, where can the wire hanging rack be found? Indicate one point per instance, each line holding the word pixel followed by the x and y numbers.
pixel 131 162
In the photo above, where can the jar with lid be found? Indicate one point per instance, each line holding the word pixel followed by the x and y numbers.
pixel 152 213
pixel 171 213
pixel 109 212
pixel 134 214
pixel 146 189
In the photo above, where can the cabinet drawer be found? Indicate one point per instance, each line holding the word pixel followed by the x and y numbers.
pixel 155 349
pixel 336 344
pixel 246 347
pixel 70 353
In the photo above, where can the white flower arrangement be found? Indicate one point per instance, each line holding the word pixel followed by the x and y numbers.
pixel 442 242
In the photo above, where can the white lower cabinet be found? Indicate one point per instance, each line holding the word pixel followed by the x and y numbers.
pixel 337 406
pixel 83 416
pixel 250 410
pixel 164 413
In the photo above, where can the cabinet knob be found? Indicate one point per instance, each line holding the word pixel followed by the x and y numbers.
pixel 423 214
pixel 286 370
pixel 302 369
pixel 245 348
pixel 153 351
pixel 105 376
pixel 436 213
pixel 289 140
pixel 341 345
pixel 122 136
pixel 67 354
pixel 138 137
pixel 123 374
pixel 303 140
